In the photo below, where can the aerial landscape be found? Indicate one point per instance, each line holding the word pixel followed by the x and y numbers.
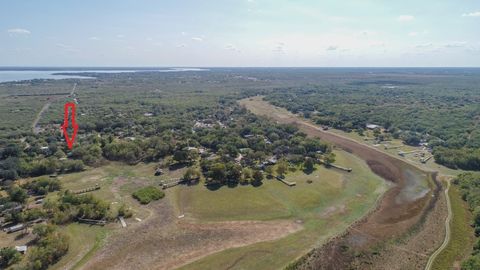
pixel 292 135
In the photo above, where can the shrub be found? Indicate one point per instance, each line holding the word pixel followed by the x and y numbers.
pixel 147 194
pixel 43 185
pixel 124 211
pixel 8 256
pixel 50 246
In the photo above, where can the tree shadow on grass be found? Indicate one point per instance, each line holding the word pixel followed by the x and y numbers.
pixel 308 171
pixel 213 187
pixel 177 166
pixel 232 184
pixel 257 184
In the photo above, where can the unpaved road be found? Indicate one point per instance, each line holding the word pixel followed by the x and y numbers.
pixel 45 107
pixel 447 231
pixel 36 129
pixel 403 208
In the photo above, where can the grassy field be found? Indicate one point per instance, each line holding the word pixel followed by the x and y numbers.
pixel 461 240
pixel 326 207
pixel 84 241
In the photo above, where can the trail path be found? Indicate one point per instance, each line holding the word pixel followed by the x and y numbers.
pixel 35 128
pixel 447 231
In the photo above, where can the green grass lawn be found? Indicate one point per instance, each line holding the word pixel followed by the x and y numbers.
pixel 461 239
pixel 84 241
pixel 326 207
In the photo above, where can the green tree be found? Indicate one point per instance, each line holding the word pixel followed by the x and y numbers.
pixel 308 164
pixel 181 156
pixel 191 173
pixel 218 172
pixel 17 194
pixel 246 173
pixel 329 158
pixel 472 263
pixel 8 256
pixel 282 167
pixel 269 170
pixel 257 176
pixel 234 172
pixel 124 211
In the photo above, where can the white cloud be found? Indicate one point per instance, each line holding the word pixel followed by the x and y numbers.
pixel 18 31
pixel 405 18
pixel 455 44
pixel 279 48
pixel 438 47
pixel 366 33
pixel 182 45
pixel 424 45
pixel 197 39
pixel 232 47
pixel 418 33
pixel 471 14
pixel 332 48
pixel 66 48
pixel 94 38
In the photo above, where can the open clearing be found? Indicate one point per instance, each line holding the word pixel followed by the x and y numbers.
pixel 326 207
pixel 220 227
pixel 285 221
pixel 401 215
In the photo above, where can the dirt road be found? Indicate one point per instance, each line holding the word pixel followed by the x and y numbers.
pixel 402 210
pixel 447 231
pixel 35 128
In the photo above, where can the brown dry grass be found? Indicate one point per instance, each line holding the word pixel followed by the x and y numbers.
pixel 164 242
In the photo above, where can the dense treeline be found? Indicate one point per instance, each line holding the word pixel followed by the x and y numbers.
pixel 49 246
pixel 225 134
pixel 469 185
pixel 442 112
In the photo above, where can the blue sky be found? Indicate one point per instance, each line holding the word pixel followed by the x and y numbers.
pixel 239 33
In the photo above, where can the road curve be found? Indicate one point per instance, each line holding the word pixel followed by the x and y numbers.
pixel 447 231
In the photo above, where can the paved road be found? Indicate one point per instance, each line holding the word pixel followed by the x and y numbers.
pixel 447 231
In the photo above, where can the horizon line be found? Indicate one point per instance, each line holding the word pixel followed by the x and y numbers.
pixel 156 67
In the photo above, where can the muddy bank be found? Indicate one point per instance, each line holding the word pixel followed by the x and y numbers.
pixel 401 212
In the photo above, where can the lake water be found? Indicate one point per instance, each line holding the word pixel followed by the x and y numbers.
pixel 22 75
